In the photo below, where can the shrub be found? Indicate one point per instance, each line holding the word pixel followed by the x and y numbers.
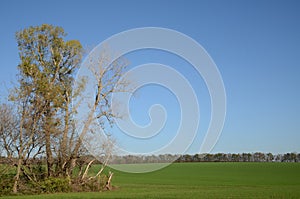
pixel 54 185
pixel 6 184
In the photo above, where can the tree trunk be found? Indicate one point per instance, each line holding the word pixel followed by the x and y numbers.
pixel 78 144
pixel 48 154
pixel 108 183
pixel 63 148
pixel 47 130
pixel 17 176
pixel 72 165
pixel 87 169
pixel 20 154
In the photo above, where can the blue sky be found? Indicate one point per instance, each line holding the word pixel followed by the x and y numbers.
pixel 255 44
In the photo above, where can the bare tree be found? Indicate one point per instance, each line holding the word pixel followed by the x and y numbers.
pixel 8 130
pixel 29 142
pixel 107 74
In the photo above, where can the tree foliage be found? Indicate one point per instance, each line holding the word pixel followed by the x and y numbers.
pixel 40 137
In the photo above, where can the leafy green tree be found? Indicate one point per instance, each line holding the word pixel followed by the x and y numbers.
pixel 47 68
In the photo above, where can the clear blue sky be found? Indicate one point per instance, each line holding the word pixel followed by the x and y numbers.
pixel 255 44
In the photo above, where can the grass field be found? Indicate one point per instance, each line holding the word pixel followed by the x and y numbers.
pixel 202 180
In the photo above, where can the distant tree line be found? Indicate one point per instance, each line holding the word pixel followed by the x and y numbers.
pixel 218 157
pixel 136 159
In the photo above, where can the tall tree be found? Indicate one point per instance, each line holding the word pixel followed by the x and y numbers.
pixel 47 68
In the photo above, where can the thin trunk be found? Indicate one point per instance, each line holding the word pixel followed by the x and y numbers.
pixel 83 133
pixel 17 176
pixel 87 169
pixel 63 149
pixel 104 164
pixel 108 183
pixel 47 131
pixel 20 156
pixel 48 153
pixel 86 126
pixel 72 166
pixel 74 155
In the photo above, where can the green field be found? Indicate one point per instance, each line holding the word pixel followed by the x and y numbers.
pixel 203 180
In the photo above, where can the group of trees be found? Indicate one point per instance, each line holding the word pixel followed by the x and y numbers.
pixel 41 143
pixel 218 157
pixel 241 157
pixel 38 120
